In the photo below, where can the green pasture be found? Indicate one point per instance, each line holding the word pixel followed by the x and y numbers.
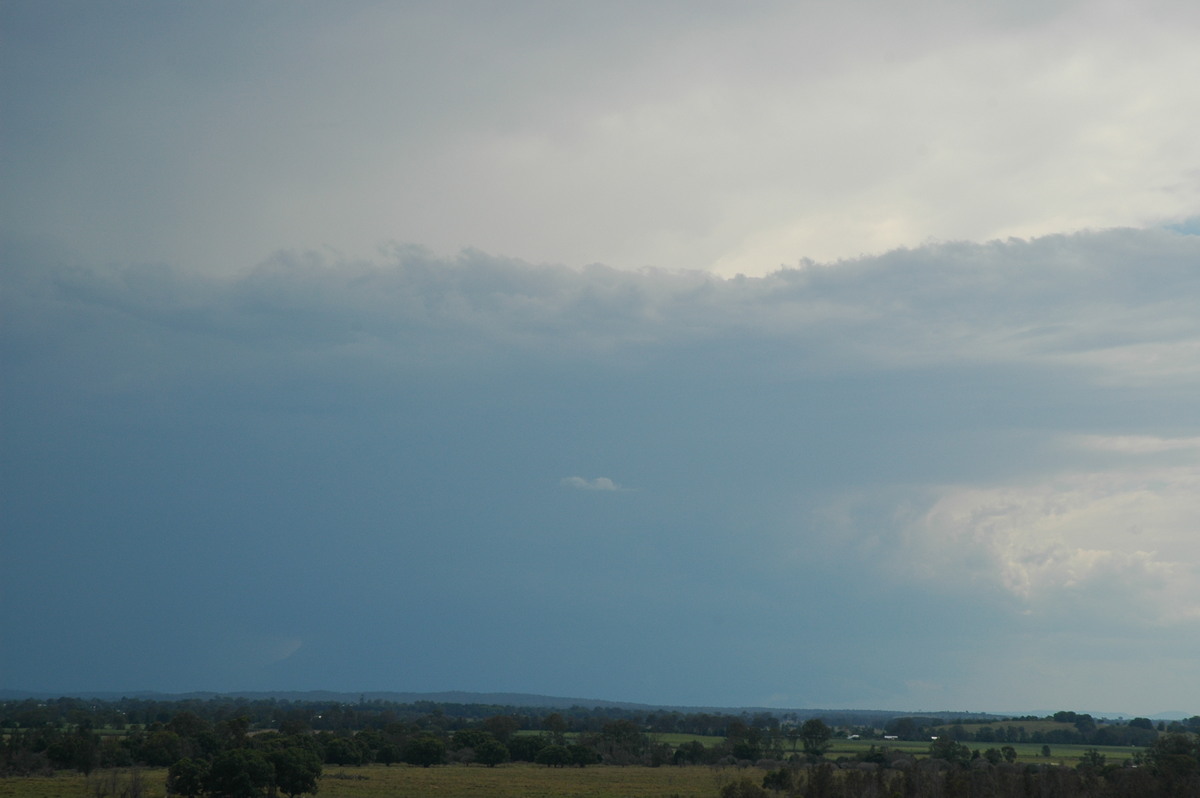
pixel 1026 752
pixel 671 738
pixel 1030 726
pixel 1066 754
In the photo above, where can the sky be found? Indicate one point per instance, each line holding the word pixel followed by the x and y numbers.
pixel 835 355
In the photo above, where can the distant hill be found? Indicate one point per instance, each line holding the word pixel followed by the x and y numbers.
pixel 851 717
pixel 510 700
pixel 450 697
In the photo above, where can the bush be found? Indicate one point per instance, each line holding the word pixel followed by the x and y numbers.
pixel 778 780
pixel 743 788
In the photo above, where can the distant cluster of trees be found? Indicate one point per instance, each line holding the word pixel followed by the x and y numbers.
pixel 1072 728
pixel 341 716
pixel 1169 768
pixel 282 746
pixel 222 759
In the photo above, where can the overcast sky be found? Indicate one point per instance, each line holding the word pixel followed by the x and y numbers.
pixel 789 354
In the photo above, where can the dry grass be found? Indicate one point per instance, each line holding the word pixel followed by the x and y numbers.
pixel 520 780
pixel 68 784
pixel 517 780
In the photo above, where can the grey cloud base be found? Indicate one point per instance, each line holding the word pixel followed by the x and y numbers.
pixel 896 482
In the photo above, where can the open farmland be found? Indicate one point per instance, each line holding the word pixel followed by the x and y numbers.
pixel 518 780
pixel 1031 753
pixel 514 780
pixel 530 781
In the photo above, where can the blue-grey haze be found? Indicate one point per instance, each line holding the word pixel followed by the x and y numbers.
pixel 430 474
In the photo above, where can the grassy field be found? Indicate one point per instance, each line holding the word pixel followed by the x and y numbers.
pixel 1026 752
pixel 516 780
pixel 1030 726
pixel 531 781
pixel 672 738
pixel 68 784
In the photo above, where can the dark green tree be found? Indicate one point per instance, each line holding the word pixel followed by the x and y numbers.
pixel 622 742
pixel 234 731
pixel 950 750
pixel 816 736
pixel 583 755
pixel 904 728
pixel 525 747
pixel 1091 760
pixel 114 753
pixel 468 738
pixel 692 752
pixel 556 727
pixel 502 727
pixel 187 777
pixel 188 724
pixel 161 748
pixel 553 756
pixel 1175 760
pixel 389 753
pixel 79 750
pixel 745 749
pixel 240 773
pixel 491 752
pixel 425 750
pixel 343 751
pixel 296 770
pixel 820 782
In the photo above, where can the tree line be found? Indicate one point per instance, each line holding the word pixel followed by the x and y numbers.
pixel 1075 729
pixel 1168 768
pixel 325 715
pixel 248 749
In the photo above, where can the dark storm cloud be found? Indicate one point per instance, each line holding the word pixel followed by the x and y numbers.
pixel 353 471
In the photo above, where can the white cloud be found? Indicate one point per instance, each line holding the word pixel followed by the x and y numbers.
pixel 1120 544
pixel 1114 307
pixel 599 483
pixel 1137 444
pixel 736 139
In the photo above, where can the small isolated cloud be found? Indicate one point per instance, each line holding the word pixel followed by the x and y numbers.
pixel 599 483
pixel 1136 444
